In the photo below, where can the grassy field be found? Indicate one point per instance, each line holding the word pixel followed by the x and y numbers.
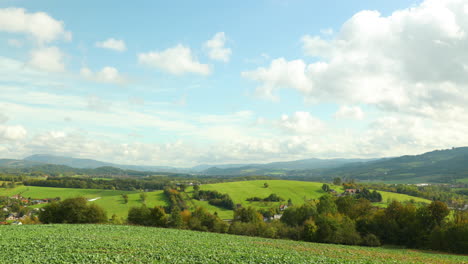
pixel 298 191
pixel 133 244
pixel 110 200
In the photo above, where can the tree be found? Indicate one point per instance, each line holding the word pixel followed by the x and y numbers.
pixel 143 197
pixel 247 215
pixel 326 205
pixel 438 211
pixel 175 219
pixel 74 211
pixel 265 185
pixel 196 188
pixel 325 187
pixel 337 181
pixel 158 217
pixel 182 187
pixel 125 198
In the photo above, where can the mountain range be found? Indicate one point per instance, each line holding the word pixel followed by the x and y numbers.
pixel 436 166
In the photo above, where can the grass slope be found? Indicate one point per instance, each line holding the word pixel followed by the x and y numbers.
pixel 110 200
pixel 132 244
pixel 298 191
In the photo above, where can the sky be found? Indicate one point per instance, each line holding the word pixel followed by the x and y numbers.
pixel 182 83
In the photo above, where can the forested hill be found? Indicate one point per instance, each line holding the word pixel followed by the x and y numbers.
pixel 441 166
pixel 435 166
pixel 10 166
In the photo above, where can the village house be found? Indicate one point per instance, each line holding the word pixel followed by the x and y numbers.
pixel 11 217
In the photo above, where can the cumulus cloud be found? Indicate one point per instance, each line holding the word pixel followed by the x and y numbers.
pixel 413 59
pixel 216 49
pixel 113 44
pixel 280 74
pixel 302 123
pixel 12 133
pixel 105 75
pixel 177 60
pixel 39 25
pixel 349 112
pixel 48 59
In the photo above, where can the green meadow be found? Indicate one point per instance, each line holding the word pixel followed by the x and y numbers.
pixel 112 201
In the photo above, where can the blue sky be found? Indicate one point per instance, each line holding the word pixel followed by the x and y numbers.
pixel 183 83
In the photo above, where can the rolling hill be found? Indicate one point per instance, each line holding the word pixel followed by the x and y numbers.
pixel 112 202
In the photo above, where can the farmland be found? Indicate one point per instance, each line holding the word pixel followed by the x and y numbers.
pixel 131 244
pixel 297 191
pixel 112 201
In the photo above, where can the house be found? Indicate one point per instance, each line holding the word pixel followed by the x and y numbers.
pixel 16 196
pixel 283 207
pixel 16 223
pixel 12 217
pixel 351 191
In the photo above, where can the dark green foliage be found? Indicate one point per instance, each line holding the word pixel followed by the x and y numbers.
pixel 247 215
pixel 143 197
pixel 327 205
pixel 175 219
pixel 373 196
pixel 175 199
pixel 371 240
pixel 271 198
pixel 146 216
pixel 73 211
pixel 337 181
pixel 325 187
pixel 297 215
pixel 125 198
pixel 202 220
pixel 215 198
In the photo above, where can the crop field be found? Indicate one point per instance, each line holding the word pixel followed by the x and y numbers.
pixel 133 244
pixel 110 200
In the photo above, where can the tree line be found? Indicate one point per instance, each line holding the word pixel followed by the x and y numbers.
pixel 342 220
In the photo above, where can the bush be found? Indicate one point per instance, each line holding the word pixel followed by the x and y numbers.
pixel 371 240
pixel 72 211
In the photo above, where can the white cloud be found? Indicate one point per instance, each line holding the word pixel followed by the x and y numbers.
pixel 12 133
pixel 3 118
pixel 216 49
pixel 280 74
pixel 48 59
pixel 105 75
pixel 40 25
pixel 177 60
pixel 113 44
pixel 414 59
pixel 302 123
pixel 327 31
pixel 349 112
